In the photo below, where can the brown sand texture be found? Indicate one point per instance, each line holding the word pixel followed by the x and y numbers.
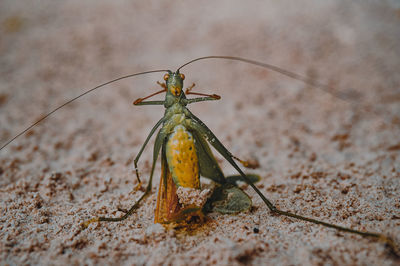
pixel 319 155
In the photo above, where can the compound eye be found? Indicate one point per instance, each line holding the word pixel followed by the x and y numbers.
pixel 166 77
pixel 182 76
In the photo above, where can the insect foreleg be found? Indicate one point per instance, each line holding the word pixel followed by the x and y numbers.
pixel 212 139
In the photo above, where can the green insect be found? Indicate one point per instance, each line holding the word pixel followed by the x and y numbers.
pixel 183 142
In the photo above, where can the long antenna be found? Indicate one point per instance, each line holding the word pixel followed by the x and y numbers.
pixel 282 71
pixel 287 73
pixel 75 98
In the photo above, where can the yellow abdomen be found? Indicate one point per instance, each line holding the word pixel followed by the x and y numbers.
pixel 180 168
pixel 182 158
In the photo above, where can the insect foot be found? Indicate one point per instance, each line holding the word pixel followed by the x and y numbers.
pixel 86 224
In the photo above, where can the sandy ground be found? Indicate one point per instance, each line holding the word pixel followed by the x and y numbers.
pixel 319 156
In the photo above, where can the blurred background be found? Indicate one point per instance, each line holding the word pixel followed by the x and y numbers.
pixel 51 51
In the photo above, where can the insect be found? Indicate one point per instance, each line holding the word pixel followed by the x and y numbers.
pixel 183 142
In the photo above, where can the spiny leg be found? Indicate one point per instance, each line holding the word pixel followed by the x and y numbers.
pixel 209 135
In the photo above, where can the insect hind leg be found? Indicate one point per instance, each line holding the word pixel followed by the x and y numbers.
pixel 207 133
